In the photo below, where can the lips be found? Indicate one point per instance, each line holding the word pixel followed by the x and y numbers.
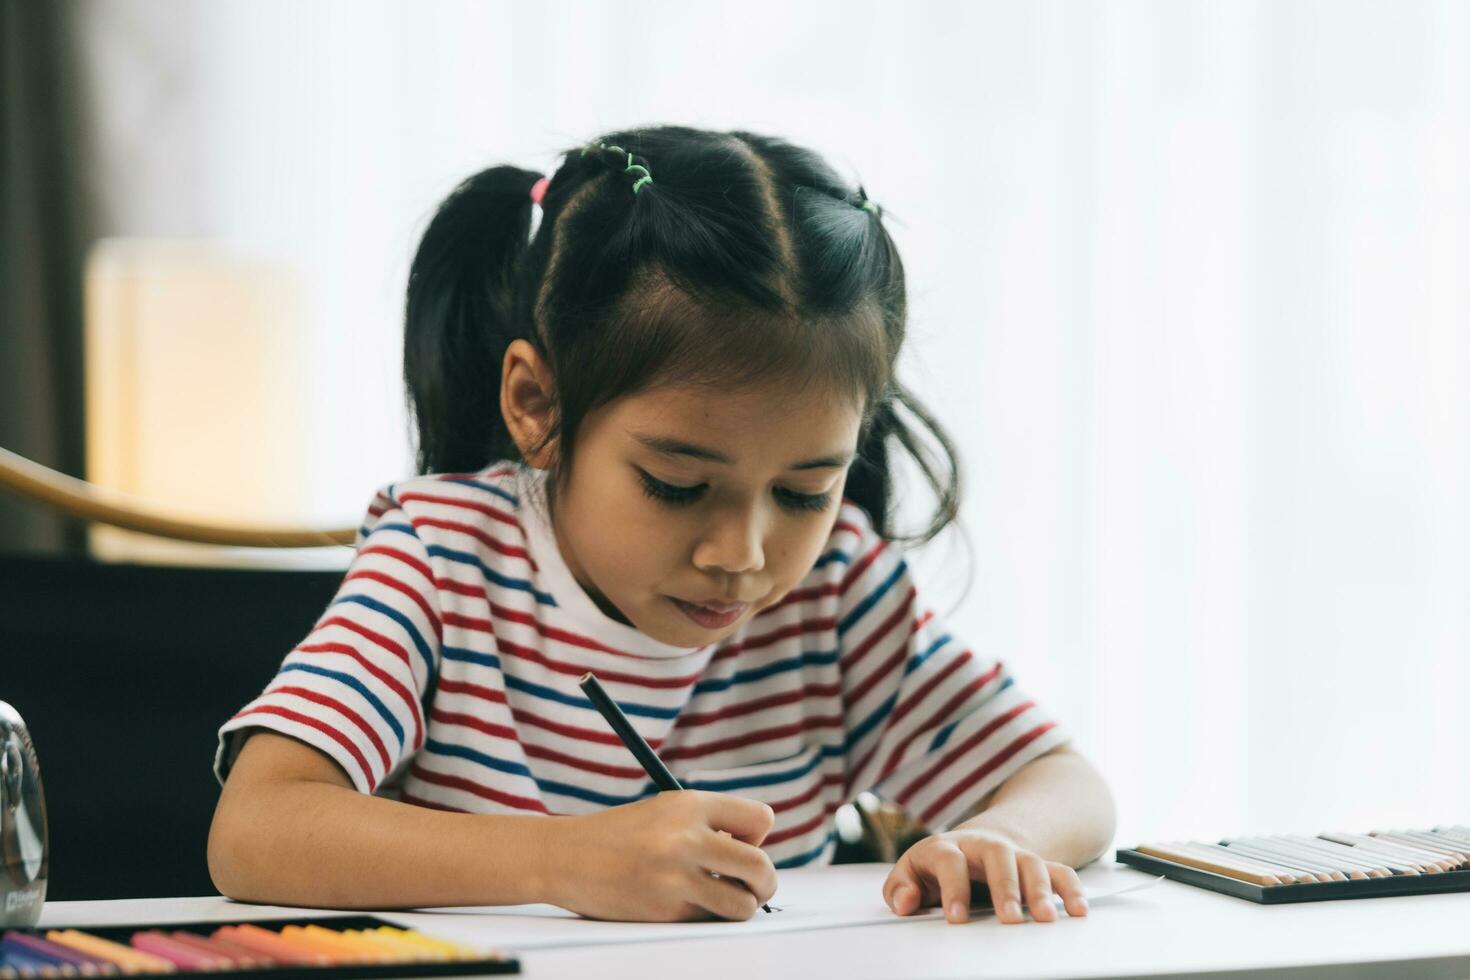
pixel 711 615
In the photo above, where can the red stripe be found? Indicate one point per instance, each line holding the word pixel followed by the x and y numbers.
pixel 310 722
pixel 896 659
pixel 407 559
pixel 800 595
pixel 853 657
pixel 587 765
pixel 412 593
pixel 473 690
pixel 507 614
pixel 975 738
pixel 831 779
pixel 484 792
pixel 572 731
pixel 535 656
pixel 488 476
pixel 775 636
pixel 318 698
pixel 751 738
pixel 938 718
pixel 470 721
pixel 879 673
pixel 393 684
pixel 475 590
pixel 979 774
pixel 494 544
pixel 490 511
pixel 805 827
pixel 914 698
pixel 862 564
pixel 523 716
pixel 691 719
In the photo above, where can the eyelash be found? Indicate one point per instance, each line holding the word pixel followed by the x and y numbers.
pixel 801 503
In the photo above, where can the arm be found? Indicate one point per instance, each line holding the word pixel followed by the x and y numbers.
pixel 1056 806
pixel 290 828
pixel 1052 815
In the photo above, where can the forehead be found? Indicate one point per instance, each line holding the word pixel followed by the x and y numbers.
pixel 745 424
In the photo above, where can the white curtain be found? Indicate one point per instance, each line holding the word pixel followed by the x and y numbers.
pixel 1188 286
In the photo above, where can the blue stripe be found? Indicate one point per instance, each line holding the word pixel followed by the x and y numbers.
pixel 542 785
pixel 797 860
pixel 470 657
pixel 489 761
pixel 857 613
pixel 831 556
pixel 944 733
pixel 918 661
pixel 811 658
pixel 504 581
pixel 592 796
pixel 401 620
pixel 405 528
pixel 866 725
pixel 359 687
pixel 551 694
pixel 465 481
pixel 768 778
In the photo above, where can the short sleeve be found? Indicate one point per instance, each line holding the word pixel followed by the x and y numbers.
pixel 354 688
pixel 931 725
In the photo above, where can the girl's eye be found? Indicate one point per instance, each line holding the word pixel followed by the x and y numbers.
pixel 811 502
pixel 667 492
pixel 678 496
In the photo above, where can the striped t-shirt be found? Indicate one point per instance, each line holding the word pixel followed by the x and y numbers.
pixel 445 673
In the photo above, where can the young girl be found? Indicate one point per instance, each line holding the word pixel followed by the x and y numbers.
pixel 661 428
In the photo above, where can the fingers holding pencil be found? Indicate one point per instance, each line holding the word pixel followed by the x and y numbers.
pixel 746 821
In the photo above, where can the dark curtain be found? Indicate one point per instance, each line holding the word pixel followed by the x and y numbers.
pixel 42 237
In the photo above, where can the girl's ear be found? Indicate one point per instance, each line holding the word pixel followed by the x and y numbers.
pixel 527 400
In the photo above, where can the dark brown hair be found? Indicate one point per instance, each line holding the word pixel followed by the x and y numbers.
pixel 745 259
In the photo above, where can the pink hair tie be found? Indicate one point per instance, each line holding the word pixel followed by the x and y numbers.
pixel 538 190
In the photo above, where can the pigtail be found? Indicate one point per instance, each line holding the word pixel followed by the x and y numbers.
pixel 870 481
pixel 461 317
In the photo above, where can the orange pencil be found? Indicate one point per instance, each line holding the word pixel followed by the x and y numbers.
pixel 270 944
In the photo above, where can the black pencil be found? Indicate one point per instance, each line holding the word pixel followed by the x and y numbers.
pixel 641 750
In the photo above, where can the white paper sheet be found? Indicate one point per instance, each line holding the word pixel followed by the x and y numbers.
pixel 844 895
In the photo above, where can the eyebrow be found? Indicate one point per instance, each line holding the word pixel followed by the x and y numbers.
pixel 676 447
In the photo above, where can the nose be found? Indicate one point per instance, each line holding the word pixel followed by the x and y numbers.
pixel 732 544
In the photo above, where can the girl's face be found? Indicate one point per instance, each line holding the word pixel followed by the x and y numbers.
pixel 680 499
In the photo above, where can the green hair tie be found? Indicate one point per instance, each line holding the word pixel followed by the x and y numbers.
pixel 646 178
pixel 872 208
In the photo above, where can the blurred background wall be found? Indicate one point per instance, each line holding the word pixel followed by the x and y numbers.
pixel 1188 286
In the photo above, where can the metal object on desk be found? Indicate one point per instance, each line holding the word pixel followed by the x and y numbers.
pixel 22 825
pixel 872 829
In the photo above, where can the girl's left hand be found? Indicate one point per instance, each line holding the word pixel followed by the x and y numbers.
pixel 938 871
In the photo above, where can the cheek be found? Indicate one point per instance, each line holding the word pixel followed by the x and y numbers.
pixel 630 538
pixel 795 551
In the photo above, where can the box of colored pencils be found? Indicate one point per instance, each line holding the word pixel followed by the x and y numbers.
pixel 282 949
pixel 1296 868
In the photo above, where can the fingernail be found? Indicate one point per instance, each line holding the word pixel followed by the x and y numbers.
pixel 1013 909
pixel 957 910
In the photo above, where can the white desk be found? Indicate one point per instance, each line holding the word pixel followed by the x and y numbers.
pixel 1166 930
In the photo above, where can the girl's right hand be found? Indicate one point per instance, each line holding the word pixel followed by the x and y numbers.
pixel 657 860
